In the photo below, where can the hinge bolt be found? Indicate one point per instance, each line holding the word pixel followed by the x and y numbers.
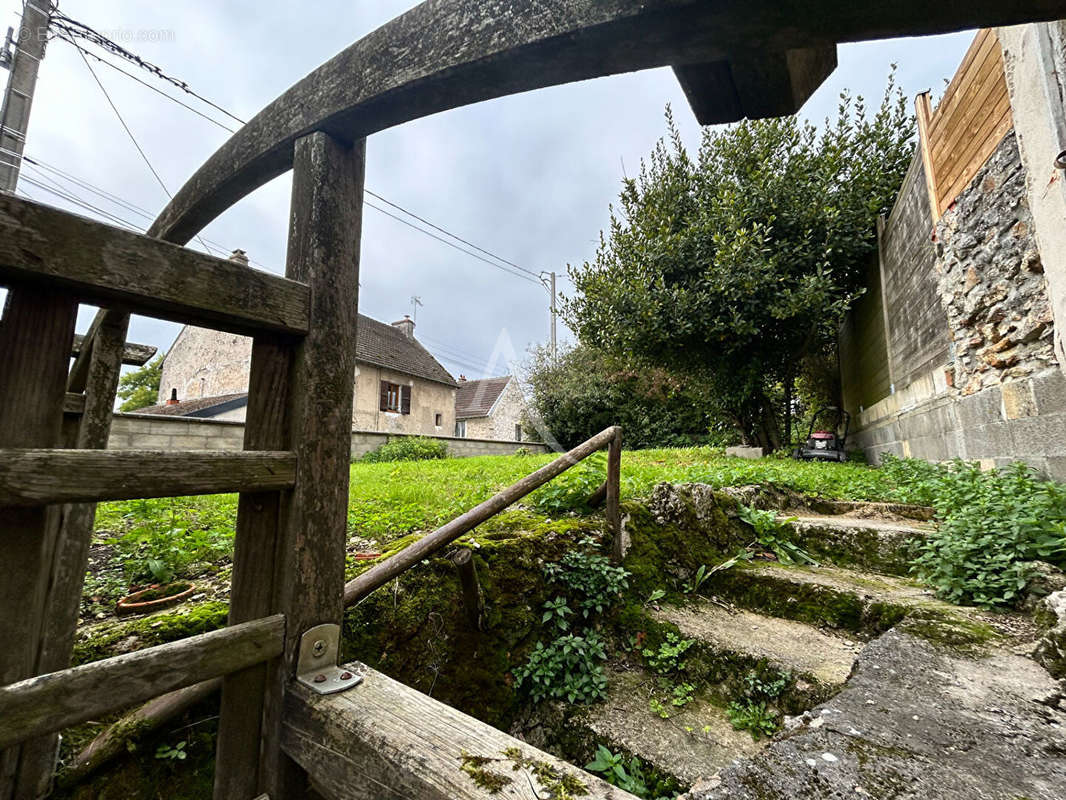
pixel 319 647
pixel 320 678
pixel 346 676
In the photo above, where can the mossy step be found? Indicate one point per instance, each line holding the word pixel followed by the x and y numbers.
pixel 870 544
pixel 863 603
pixel 820 662
pixel 777 498
pixel 697 740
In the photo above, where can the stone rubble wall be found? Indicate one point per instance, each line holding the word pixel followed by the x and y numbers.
pixel 154 432
pixel 500 424
pixel 991 278
pixel 1000 395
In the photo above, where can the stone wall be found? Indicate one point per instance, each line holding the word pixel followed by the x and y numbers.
pixel 506 414
pixel 428 399
pixel 153 432
pixel 991 278
pixel 999 394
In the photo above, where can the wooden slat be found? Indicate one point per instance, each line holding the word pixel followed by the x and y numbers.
pixel 987 148
pixel 987 76
pixel 383 739
pixel 58 700
pixel 35 335
pixel 116 268
pixel 133 354
pixel 923 111
pixel 255 566
pixel 978 50
pixel 324 234
pixel 29 477
pixel 970 160
pixel 63 600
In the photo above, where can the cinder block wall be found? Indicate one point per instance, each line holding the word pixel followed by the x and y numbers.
pixel 154 432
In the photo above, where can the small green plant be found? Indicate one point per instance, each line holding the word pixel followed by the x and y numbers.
pixel 693 586
pixel 771 534
pixel 166 752
pixel 557 611
pixel 408 448
pixel 668 657
pixel 629 775
pixel 655 597
pixel 594 585
pixel 571 490
pixel 567 669
pixel 752 716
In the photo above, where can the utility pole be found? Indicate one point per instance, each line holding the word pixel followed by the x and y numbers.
pixel 554 353
pixel 15 112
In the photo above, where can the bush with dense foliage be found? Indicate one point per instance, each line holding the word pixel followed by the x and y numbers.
pixel 139 388
pixel 582 391
pixel 739 262
pixel 408 448
pixel 991 527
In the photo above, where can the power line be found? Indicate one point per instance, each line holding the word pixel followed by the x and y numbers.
pixel 72 28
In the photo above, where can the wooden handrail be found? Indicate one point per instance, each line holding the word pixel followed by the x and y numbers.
pixel 380 574
pixel 51 702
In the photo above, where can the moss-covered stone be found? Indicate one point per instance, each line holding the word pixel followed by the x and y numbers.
pixel 112 638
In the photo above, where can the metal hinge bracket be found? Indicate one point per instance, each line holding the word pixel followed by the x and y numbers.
pixel 316 667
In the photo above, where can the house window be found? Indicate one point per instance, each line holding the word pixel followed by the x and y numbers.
pixel 438 420
pixel 460 428
pixel 518 433
pixel 395 397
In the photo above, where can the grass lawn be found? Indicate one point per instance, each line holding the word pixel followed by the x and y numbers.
pixel 143 541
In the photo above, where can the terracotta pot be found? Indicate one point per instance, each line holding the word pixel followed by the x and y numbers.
pixel 155 597
pixel 367 556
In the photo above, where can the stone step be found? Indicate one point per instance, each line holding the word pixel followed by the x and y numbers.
pixel 878 545
pixel 736 641
pixel 696 740
pixel 776 498
pixel 833 597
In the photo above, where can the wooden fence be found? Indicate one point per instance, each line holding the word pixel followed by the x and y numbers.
pixel 968 124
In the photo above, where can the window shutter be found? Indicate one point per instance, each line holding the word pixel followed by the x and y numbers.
pixel 384 395
pixel 405 399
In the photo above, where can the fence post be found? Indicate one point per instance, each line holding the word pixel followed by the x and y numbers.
pixel 472 602
pixel 614 512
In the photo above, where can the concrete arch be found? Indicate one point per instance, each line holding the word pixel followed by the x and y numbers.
pixel 734 58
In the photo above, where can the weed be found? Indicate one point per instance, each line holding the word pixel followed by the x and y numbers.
pixel 667 659
pixel 593 583
pixel 771 534
pixel 630 775
pixel 754 717
pixel 567 669
pixel 557 611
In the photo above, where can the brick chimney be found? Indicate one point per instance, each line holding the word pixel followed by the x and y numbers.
pixel 406 325
pixel 462 379
pixel 239 256
pixel 173 401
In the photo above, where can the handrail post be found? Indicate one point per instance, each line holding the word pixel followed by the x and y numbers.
pixel 614 512
pixel 472 602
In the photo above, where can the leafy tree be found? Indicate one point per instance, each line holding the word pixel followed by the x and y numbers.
pixel 583 391
pixel 139 388
pixel 739 263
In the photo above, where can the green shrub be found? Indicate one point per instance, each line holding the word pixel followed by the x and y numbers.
pixel 594 584
pixel 567 669
pixel 991 526
pixel 408 448
pixel 631 776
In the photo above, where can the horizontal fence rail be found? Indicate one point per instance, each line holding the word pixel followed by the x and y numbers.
pixel 380 574
pixel 27 477
pixel 133 354
pixel 48 703
pixel 109 266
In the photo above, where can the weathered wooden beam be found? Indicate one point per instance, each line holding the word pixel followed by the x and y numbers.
pixel 324 235
pixel 133 354
pixel 133 728
pixel 255 567
pixel 35 335
pixel 74 403
pixel 755 85
pixel 380 574
pixel 108 266
pixel 70 559
pixel 462 52
pixel 29 477
pixel 57 700
pixel 383 739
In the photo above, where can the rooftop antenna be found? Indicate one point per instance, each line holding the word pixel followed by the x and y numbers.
pixel 416 301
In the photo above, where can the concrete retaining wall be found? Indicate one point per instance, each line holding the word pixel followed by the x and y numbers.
pixel 154 432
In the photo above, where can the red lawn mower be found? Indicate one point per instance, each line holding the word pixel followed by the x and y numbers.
pixel 822 444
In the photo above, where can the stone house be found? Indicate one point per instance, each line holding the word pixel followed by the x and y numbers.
pixel 955 350
pixel 399 386
pixel 490 408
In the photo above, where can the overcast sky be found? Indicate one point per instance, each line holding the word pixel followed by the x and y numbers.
pixel 527 177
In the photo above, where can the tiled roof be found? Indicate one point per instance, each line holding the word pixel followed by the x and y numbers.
pixel 187 407
pixel 476 398
pixel 387 346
